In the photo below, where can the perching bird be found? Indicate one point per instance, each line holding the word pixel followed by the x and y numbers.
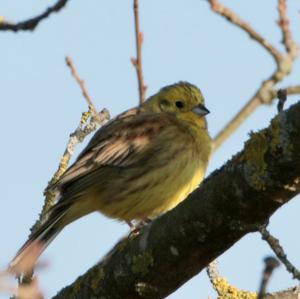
pixel 136 167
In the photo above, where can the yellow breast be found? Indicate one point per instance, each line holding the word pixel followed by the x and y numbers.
pixel 147 194
pixel 166 188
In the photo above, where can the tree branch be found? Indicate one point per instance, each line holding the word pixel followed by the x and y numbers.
pixel 222 286
pixel 226 290
pixel 233 18
pixel 279 251
pixel 290 90
pixel 81 83
pixel 89 122
pixel 271 264
pixel 287 38
pixel 178 245
pixel 265 92
pixel 32 23
pixel 293 89
pixel 137 62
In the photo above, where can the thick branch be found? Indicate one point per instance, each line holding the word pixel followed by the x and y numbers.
pixel 178 245
pixel 31 24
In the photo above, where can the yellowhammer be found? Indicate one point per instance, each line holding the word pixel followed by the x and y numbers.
pixel 139 165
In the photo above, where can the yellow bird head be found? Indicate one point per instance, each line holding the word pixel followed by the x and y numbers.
pixel 182 99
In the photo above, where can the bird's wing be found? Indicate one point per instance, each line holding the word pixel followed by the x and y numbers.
pixel 120 143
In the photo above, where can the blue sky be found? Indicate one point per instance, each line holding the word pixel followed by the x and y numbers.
pixel 41 105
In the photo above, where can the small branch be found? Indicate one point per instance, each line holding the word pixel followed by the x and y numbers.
pixel 284 23
pixel 282 97
pixel 271 264
pixel 84 129
pixel 293 90
pixel 226 290
pixel 263 95
pixel 89 122
pixel 266 93
pixel 235 20
pixel 290 90
pixel 223 287
pixel 279 251
pixel 81 83
pixel 32 23
pixel 137 62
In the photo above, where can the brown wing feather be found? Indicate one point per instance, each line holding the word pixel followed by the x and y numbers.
pixel 118 143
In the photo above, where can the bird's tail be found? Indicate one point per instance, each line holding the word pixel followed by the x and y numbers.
pixel 42 237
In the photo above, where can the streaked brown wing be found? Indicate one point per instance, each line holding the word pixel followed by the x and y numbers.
pixel 120 143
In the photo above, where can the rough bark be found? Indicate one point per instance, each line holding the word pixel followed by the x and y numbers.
pixel 232 202
pixel 292 293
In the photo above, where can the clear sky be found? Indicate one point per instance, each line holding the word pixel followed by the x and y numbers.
pixel 41 105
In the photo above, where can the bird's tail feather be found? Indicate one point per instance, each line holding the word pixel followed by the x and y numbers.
pixel 42 237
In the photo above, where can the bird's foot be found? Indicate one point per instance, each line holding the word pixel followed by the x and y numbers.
pixel 136 228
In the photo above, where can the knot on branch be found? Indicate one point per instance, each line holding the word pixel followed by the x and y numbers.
pixel 265 94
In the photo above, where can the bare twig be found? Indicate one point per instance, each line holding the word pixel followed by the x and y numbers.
pixel 279 251
pixel 232 17
pixel 266 93
pixel 282 97
pixel 89 122
pixel 32 23
pixel 287 38
pixel 81 83
pixel 137 62
pixel 87 125
pixel 271 264
pixel 293 90
pixel 290 90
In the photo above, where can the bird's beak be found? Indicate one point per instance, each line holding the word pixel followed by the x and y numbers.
pixel 200 110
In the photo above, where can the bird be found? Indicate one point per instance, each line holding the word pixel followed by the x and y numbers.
pixel 139 165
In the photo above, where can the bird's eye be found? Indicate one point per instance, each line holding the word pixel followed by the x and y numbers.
pixel 179 104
